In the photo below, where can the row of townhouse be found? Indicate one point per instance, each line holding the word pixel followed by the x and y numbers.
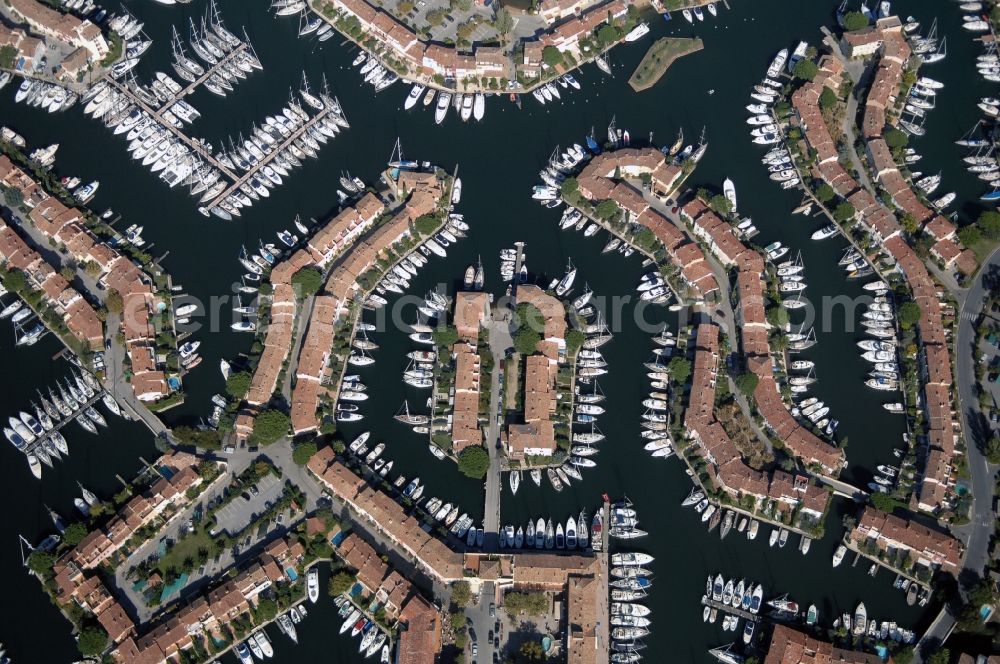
pixel 727 468
pixel 346 240
pixel 77 314
pixel 64 226
pixel 167 492
pixel 471 311
pixel 891 533
pixel 420 641
pixel 336 237
pixel 936 488
pixel 207 615
pixel 598 181
pixel 536 436
pixel 421 193
pixel 754 328
pixel 790 646
pixel 886 41
pixel 577 576
pixel 571 21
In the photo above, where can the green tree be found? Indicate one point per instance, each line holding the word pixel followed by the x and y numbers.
pixel 307 281
pixel 989 224
pixel 609 34
pixel 828 98
pixel 778 316
pixel 552 56
pixel 720 204
pixel 340 583
pixel 910 223
pixel 11 196
pixel 40 562
pixel 574 339
pixel 855 21
pixel 93 641
pixel 844 212
pixel 805 69
pixel 526 340
pixel 445 335
pixel 303 452
pixel 607 209
pixel 206 440
pixel 267 610
pixel 942 656
pixel 270 426
pixel 74 533
pixel 680 370
pixel 824 193
pixel 896 138
pixel 909 314
pixel 238 383
pixel 15 281
pixel 8 54
pixel 461 593
pixel 747 382
pixel 569 186
pixel 531 651
pixel 504 23
pixel 885 502
pixel 113 302
pixel 532 604
pixel 992 451
pixel 474 462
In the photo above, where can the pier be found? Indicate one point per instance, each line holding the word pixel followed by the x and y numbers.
pixel 603 614
pixel 728 608
pixel 191 87
pixel 199 148
pixel 238 181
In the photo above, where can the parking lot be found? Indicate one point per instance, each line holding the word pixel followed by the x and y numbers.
pixel 239 512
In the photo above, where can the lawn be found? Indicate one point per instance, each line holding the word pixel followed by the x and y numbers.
pixel 658 59
pixel 186 548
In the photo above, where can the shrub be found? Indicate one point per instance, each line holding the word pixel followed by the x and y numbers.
pixel 805 69
pixel 270 426
pixel 303 452
pixel 474 462
pixel 307 281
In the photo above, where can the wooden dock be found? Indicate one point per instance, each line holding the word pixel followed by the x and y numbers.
pixel 268 158
pixel 198 147
pixel 727 608
pixel 191 87
pixel 603 595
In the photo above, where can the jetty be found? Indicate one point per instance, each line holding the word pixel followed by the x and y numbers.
pixel 196 146
pixel 191 87
pixel 663 53
pixel 238 181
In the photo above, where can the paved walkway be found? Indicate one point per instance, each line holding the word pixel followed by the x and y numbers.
pixel 500 341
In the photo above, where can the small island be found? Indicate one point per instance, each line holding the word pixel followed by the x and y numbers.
pixel 658 59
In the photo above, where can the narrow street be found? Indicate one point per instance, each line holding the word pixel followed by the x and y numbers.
pixel 500 341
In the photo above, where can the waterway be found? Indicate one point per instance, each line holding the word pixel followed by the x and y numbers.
pixel 498 161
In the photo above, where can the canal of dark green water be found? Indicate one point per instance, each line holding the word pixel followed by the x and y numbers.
pixel 498 162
